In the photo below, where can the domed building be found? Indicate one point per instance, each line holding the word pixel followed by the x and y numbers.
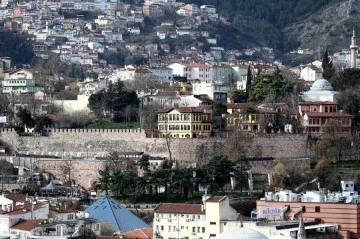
pixel 320 91
pixel 241 233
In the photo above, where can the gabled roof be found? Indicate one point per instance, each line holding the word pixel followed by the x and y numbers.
pixel 185 208
pixel 216 199
pixel 144 233
pixel 27 225
pixel 238 105
pixel 107 210
pixel 327 114
pixel 182 110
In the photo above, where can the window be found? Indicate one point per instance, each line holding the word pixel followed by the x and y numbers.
pixel 70 216
pixel 157 227
pixel 169 228
pixel 212 235
pixel 198 229
pixel 193 229
pixel 162 228
pixel 317 208
pixel 212 223
pixel 203 229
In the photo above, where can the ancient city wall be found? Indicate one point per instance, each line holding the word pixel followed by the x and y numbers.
pixel 90 142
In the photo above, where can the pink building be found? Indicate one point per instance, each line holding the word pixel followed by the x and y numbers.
pixel 315 115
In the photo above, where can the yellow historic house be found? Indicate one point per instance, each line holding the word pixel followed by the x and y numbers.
pixel 184 122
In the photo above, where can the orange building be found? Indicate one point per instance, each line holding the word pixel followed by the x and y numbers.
pixel 347 215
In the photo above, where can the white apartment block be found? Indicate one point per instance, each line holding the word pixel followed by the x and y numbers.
pixel 193 71
pixel 194 221
pixel 311 73
pixel 215 91
pixel 164 74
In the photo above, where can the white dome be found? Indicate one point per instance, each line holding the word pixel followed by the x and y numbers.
pixel 241 233
pixel 321 84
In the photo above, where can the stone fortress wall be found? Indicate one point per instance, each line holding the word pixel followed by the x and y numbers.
pixel 86 144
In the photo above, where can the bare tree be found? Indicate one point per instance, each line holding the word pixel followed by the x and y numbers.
pixel 69 174
pixel 130 113
pixel 4 102
pixel 144 83
pixel 79 119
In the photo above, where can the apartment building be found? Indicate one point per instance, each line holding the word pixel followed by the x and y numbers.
pixel 19 81
pixel 194 221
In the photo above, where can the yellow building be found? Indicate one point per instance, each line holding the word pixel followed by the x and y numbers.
pixel 184 122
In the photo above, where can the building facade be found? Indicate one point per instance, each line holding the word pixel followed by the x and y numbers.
pixel 316 115
pixel 184 122
pixel 193 221
pixel 19 81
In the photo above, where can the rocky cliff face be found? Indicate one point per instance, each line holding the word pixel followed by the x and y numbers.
pixel 331 26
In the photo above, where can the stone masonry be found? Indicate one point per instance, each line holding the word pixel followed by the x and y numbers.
pixel 89 143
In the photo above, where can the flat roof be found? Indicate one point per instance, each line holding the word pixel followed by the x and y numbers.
pixel 308 227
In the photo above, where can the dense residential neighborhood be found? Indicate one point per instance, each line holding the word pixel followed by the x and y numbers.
pixel 143 120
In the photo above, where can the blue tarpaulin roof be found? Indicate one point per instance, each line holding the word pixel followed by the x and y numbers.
pixel 108 211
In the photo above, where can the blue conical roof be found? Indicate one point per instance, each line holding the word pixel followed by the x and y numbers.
pixel 108 211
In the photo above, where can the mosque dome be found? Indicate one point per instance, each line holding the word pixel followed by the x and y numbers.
pixel 321 85
pixel 241 233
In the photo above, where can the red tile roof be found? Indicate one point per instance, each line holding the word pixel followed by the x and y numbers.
pixel 22 209
pixel 185 208
pixel 317 103
pixel 237 105
pixel 27 225
pixel 216 199
pixel 16 197
pixel 182 110
pixel 323 114
pixel 144 233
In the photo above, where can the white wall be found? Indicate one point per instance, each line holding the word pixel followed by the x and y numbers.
pixel 71 106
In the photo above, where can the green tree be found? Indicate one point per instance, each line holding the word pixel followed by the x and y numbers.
pixel 105 179
pixel 239 96
pixel 349 102
pixel 273 84
pixel 40 122
pixel 346 79
pixel 248 82
pixel 327 65
pixel 24 116
pixel 219 108
pixel 144 162
pixel 219 170
pixel 113 102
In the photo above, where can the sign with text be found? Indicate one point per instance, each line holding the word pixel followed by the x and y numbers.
pixel 271 212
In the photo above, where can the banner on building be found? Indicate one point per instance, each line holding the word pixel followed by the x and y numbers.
pixel 265 212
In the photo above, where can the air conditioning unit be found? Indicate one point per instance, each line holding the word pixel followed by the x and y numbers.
pixel 169 220
pixel 157 219
pixel 187 220
pixel 193 233
pixel 192 219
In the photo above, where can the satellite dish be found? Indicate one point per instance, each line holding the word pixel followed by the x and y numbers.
pixel 51 220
